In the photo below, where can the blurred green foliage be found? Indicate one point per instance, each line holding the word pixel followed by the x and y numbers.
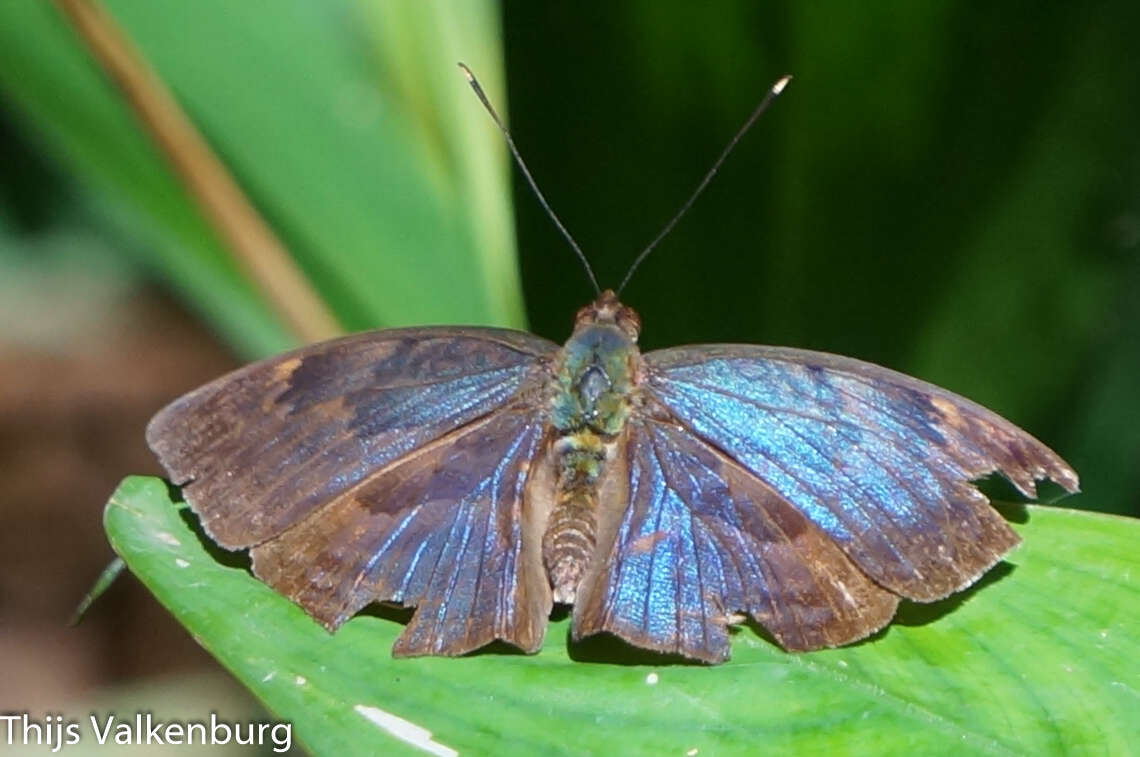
pixel 353 146
pixel 948 189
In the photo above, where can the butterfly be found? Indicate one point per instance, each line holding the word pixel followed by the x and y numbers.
pixel 481 475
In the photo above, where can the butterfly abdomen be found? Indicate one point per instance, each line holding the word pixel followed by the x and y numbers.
pixel 571 532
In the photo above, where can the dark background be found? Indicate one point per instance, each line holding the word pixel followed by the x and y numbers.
pixel 949 189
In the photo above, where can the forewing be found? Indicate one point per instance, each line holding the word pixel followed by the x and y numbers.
pixel 879 461
pixel 702 539
pixel 263 447
pixel 448 529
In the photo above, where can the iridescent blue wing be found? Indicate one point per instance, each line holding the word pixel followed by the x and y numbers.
pixel 878 461
pixel 294 457
pixel 441 530
pixel 702 539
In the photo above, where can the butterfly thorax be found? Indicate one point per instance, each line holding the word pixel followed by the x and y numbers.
pixel 596 375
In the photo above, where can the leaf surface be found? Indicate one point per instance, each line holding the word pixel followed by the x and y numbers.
pixel 1042 658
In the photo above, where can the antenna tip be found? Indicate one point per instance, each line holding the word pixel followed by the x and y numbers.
pixel 466 71
pixel 777 88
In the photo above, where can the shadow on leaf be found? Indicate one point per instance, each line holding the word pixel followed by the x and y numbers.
pixel 918 614
pixel 239 559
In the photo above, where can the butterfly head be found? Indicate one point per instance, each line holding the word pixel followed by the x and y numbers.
pixel 608 310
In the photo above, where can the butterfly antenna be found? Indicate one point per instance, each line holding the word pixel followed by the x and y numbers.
pixel 526 172
pixel 770 95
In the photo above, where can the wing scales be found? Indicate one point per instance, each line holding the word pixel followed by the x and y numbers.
pixel 880 461
pixel 701 539
pixel 261 448
pixel 442 531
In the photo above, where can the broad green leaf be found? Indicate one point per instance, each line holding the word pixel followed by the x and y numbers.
pixel 374 162
pixel 1044 658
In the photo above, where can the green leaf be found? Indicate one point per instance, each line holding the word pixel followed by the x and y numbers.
pixel 373 161
pixel 1044 658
